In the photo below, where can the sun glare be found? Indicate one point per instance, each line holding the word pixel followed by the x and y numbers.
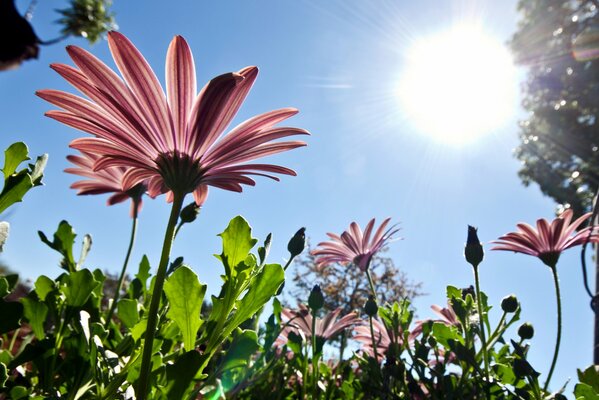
pixel 458 85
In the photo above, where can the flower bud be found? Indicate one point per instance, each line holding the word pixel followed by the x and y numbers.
pixel 509 304
pixel 474 250
pixel 316 299
pixel 526 331
pixel 297 243
pixel 189 213
pixel 371 308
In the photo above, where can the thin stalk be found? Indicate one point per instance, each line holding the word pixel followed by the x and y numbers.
pixel 119 285
pixel 371 283
pixel 315 394
pixel 481 324
pixel 376 356
pixel 558 298
pixel 146 361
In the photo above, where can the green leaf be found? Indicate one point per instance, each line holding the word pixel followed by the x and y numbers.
pixel 13 156
pixel 37 170
pixel 43 286
pixel 3 374
pixel 505 373
pixel 144 271
pixel 35 312
pixel 590 376
pixel 585 392
pixel 444 334
pixel 19 392
pixel 79 286
pixel 241 349
pixel 262 288
pixel 185 295
pixel 237 243
pixel 127 312
pixel 139 329
pixel 63 240
pixel 11 312
pixel 15 187
pixel 180 374
pixel 3 287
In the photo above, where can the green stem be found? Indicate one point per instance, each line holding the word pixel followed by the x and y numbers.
pixel 374 349
pixel 559 326
pixel 146 362
pixel 371 284
pixel 481 323
pixel 119 285
pixel 315 394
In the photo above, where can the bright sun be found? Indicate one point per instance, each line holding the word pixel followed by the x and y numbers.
pixel 458 85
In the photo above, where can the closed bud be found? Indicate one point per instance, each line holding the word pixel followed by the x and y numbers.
pixel 474 250
pixel 297 243
pixel 371 308
pixel 316 299
pixel 509 304
pixel 526 331
pixel 189 213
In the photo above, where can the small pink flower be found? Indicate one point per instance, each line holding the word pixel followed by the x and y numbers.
pixel 300 322
pixel 174 141
pixel 384 337
pixel 548 240
pixel 109 180
pixel 353 246
pixel 447 317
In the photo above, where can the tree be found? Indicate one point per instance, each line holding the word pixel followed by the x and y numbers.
pixel 558 40
pixel 347 287
pixel 559 146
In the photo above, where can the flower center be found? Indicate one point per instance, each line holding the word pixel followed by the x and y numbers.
pixel 180 172
pixel 550 258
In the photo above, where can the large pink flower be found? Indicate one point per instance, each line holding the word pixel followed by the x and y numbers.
pixel 548 240
pixel 170 140
pixel 355 246
pixel 300 322
pixel 109 180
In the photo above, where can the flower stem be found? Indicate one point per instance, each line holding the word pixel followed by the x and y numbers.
pixel 371 282
pixel 559 326
pixel 481 323
pixel 117 290
pixel 315 395
pixel 374 349
pixel 146 363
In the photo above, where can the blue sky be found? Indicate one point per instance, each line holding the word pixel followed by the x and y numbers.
pixel 339 63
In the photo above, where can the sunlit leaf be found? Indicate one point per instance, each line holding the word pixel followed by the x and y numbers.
pixel 241 349
pixel 185 295
pixel 43 286
pixel 35 312
pixel 62 242
pixel 237 243
pixel 14 155
pixel 79 286
pixel 127 312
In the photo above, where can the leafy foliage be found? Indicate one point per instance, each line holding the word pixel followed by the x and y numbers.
pixel 89 19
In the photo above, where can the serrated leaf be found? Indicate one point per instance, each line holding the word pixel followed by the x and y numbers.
pixel 127 312
pixel 443 334
pixel 583 391
pixel 13 156
pixel 144 271
pixel 62 242
pixel 241 349
pixel 79 286
pixel 43 286
pixel 35 312
pixel 15 187
pixel 185 295
pixel 237 243
pixel 590 376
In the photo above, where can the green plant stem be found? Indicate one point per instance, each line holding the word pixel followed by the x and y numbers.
pixel 481 323
pixel 315 394
pixel 371 282
pixel 119 285
pixel 376 356
pixel 559 326
pixel 146 362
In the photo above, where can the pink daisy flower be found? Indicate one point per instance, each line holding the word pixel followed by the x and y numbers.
pixel 109 180
pixel 353 246
pixel 175 142
pixel 549 239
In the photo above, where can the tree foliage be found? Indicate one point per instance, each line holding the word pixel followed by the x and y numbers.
pixel 557 40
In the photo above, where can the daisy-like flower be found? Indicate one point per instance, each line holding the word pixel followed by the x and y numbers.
pixel 300 322
pixel 384 337
pixel 446 315
pixel 549 239
pixel 171 140
pixel 109 180
pixel 353 246
pixel 547 243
